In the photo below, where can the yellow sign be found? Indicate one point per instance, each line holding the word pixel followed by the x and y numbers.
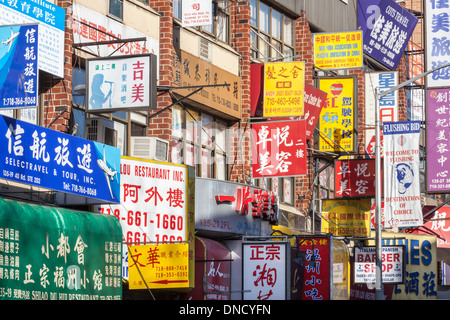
pixel 341 50
pixel 284 85
pixel 337 118
pixel 159 266
pixel 346 217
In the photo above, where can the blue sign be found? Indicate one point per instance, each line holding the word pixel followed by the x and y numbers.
pixel 18 66
pixel 54 160
pixel 387 27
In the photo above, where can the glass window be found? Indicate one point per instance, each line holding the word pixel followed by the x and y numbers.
pixel 264 16
pixel 177 9
pixel 288 34
pixel 116 8
pixel 276 24
pixel 254 12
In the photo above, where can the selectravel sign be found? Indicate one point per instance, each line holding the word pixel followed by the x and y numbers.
pixel 53 160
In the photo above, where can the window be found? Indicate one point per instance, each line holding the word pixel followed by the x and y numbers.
pixel 221 21
pixel 272 34
pixel 199 140
pixel 116 8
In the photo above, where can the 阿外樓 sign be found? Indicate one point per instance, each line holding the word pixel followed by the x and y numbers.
pixel 54 160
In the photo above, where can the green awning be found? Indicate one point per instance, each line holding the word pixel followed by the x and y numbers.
pixel 58 254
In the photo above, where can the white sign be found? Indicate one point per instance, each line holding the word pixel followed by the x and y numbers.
pixel 392 264
pixel 401 187
pixel 264 270
pixel 196 13
pixel 121 83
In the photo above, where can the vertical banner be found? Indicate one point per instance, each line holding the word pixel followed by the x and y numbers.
pixel 401 174
pixel 279 148
pixel 284 84
pixel 338 118
pixel 264 270
pixel 438 146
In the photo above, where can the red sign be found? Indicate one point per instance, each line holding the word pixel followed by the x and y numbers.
pixel 317 267
pixel 440 224
pixel 354 178
pixel 314 100
pixel 279 149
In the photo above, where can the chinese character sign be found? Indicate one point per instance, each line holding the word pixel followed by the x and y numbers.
pixel 387 27
pixel 264 270
pixel 337 120
pixel 284 84
pixel 19 66
pixel 159 266
pixel 437 29
pixel 279 148
pixel 402 206
pixel 58 254
pixel 121 83
pixel 317 267
pixel 53 160
pixel 341 50
pixel 438 137
pixel 196 13
pixel 354 178
pixel 440 224
pixel 314 100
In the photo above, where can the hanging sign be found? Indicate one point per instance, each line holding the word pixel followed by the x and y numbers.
pixel 354 178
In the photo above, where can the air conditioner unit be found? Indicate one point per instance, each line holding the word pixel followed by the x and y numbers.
pixel 101 130
pixel 150 148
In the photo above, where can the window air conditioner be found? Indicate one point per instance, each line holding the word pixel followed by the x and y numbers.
pixel 150 148
pixel 101 130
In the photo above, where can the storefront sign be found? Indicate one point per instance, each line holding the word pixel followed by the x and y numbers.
pixel 338 118
pixel 189 70
pixel 53 160
pixel 278 148
pixel 388 104
pixel 159 266
pixel 318 262
pixel 314 100
pixel 264 270
pixel 354 178
pixel 284 84
pixel 438 146
pixel 19 66
pixel 346 217
pixel 196 13
pixel 402 206
pixel 393 265
pixel 341 50
pixel 228 207
pixel 50 253
pixel 387 27
pixel 121 83
pixel 51 19
pixel 437 41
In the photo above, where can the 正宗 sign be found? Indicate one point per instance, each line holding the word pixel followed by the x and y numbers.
pixel 387 27
pixel 402 206
pixel 393 264
pixel 19 66
pixel 196 13
pixel 284 84
pixel 51 253
pixel 121 83
pixel 51 19
pixel 438 147
pixel 279 148
pixel 437 42
pixel 342 50
pixel 53 160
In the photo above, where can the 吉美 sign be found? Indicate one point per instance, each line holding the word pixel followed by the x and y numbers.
pixel 19 66
pixel 342 50
pixel 121 83
pixel 54 160
pixel 284 84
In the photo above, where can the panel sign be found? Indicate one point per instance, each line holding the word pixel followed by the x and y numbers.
pixel 314 100
pixel 264 270
pixel 338 119
pixel 52 21
pixel 121 83
pixel 159 266
pixel 284 84
pixel 196 13
pixel 341 50
pixel 393 264
pixel 279 148
pixel 50 253
pixel 50 159
pixel 354 178
pixel 387 27
pixel 19 66
pixel 438 146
